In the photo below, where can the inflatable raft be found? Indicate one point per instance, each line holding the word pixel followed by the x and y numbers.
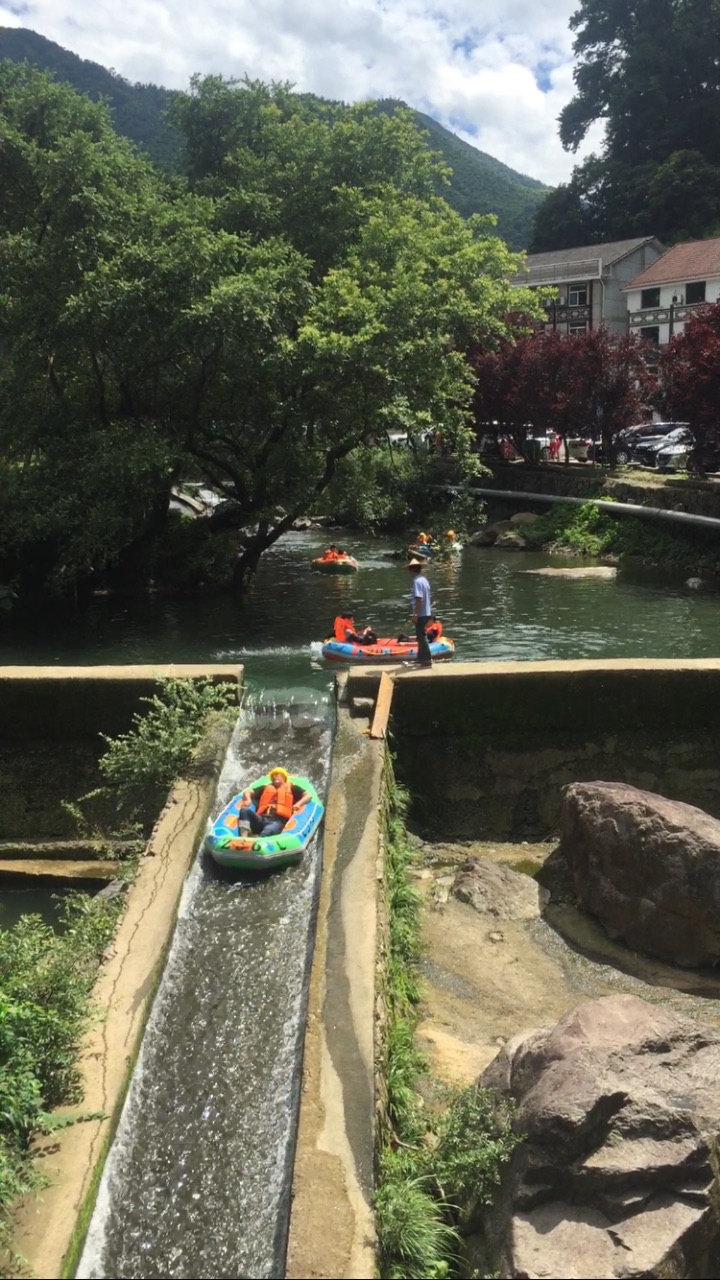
pixel 335 564
pixel 261 853
pixel 389 650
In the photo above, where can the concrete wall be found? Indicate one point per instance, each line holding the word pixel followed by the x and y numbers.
pixel 485 748
pixel 51 719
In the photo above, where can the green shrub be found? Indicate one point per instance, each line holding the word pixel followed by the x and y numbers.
pixel 162 741
pixel 44 1010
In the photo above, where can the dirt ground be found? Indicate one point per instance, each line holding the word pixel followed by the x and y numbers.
pixel 487 979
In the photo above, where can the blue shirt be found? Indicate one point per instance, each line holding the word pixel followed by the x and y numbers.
pixel 421 593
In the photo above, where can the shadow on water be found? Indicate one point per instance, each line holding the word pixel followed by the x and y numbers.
pixel 198 1178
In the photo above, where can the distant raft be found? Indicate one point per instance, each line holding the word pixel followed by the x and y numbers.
pixel 261 853
pixel 335 564
pixel 389 650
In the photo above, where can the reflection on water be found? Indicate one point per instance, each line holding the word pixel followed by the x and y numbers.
pixel 491 606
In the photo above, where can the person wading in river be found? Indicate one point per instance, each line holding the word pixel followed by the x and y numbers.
pixel 422 611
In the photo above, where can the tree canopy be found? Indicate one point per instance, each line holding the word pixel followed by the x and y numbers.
pixel 649 70
pixel 250 324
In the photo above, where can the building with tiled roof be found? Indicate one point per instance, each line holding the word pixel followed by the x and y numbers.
pixel 587 282
pixel 660 298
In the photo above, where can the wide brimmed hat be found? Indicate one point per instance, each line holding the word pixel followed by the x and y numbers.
pixel 415 564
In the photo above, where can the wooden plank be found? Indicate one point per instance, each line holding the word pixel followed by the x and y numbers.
pixel 383 702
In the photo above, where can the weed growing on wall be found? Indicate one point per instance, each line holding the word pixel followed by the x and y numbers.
pixel 434 1169
pixel 44 1010
pixel 160 744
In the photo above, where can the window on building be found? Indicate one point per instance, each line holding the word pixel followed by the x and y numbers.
pixel 577 295
pixel 577 329
pixel 651 333
pixel 650 298
pixel 695 292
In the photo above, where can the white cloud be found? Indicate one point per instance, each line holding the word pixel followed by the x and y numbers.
pixel 497 71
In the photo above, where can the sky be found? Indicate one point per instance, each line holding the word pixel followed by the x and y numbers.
pixel 496 72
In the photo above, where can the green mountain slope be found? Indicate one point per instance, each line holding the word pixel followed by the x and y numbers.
pixel 480 184
pixel 137 108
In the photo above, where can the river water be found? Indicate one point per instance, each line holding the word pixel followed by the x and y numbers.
pixel 491 605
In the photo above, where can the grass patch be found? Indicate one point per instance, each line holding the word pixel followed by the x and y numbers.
pixel 587 530
pixel 434 1169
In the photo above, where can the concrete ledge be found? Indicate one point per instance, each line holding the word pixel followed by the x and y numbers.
pixel 80 702
pixel 331 1226
pixel 51 1228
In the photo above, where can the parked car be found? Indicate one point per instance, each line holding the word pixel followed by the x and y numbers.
pixel 577 448
pixel 627 440
pixel 645 454
pixel 497 448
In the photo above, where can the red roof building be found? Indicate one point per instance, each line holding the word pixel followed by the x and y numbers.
pixel 660 298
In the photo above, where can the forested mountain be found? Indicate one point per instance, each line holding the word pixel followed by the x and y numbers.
pixel 480 184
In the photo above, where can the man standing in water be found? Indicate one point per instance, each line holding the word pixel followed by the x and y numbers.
pixel 422 611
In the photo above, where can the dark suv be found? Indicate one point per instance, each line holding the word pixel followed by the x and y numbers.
pixel 631 438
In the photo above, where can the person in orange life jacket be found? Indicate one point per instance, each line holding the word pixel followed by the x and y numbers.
pixel 344 630
pixel 434 630
pixel 422 611
pixel 275 805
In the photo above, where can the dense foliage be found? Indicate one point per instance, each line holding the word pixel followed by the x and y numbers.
pixel 587 530
pixel 303 290
pixel 44 1010
pixel 47 975
pixel 592 384
pixel 650 71
pixel 478 183
pixel 690 375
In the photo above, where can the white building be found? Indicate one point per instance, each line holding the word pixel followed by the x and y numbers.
pixel 587 282
pixel 660 299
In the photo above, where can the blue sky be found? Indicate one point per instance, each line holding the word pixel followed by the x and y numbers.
pixel 503 68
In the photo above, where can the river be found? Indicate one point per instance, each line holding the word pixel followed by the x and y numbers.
pixel 490 604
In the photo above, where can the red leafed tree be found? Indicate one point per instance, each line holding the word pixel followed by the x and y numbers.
pixel 613 383
pixel 588 384
pixel 690 375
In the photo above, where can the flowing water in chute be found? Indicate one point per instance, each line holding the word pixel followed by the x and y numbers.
pixel 198 1179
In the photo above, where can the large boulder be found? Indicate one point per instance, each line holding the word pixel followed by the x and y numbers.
pixel 498 891
pixel 617 1172
pixel 489 534
pixel 647 867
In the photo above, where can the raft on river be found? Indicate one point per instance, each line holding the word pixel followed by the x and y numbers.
pixel 260 853
pixel 389 650
pixel 335 564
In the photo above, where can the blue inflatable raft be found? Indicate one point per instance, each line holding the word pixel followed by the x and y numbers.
pixel 229 848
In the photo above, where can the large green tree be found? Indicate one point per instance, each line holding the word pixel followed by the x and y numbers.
pixel 649 70
pixel 252 324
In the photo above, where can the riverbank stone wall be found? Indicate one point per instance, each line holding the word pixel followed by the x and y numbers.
pixel 486 748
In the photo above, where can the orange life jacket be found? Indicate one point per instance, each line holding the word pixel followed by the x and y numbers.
pixel 435 629
pixel 279 798
pixel 341 626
